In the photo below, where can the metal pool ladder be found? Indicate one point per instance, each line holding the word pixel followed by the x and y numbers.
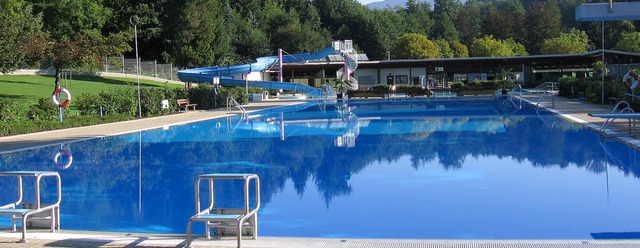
pixel 20 211
pixel 227 219
pixel 231 102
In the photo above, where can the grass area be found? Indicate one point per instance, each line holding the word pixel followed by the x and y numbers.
pixel 27 89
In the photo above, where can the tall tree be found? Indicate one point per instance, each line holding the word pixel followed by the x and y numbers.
pixel 469 22
pixel 152 17
pixel 543 22
pixel 445 12
pixel 20 32
pixel 417 17
pixel 203 38
pixel 629 42
pixel 75 34
pixel 385 29
pixel 505 20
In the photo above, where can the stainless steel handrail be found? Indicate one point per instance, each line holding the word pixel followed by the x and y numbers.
pixel 22 215
pixel 205 215
pixel 232 101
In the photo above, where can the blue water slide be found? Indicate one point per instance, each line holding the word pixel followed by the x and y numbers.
pixel 207 74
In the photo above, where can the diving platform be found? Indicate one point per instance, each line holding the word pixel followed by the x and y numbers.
pixel 23 212
pixel 610 11
pixel 227 220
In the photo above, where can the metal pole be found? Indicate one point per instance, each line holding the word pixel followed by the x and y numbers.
pixel 135 36
pixel 604 67
pixel 280 65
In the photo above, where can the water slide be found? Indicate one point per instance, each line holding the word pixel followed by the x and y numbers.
pixel 226 73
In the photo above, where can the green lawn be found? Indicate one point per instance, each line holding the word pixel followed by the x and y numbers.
pixel 26 90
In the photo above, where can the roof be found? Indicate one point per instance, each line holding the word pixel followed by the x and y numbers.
pixel 580 60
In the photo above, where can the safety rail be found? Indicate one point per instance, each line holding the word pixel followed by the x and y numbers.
pixel 231 126
pixel 624 113
pixel 20 211
pixel 227 218
pixel 231 102
pixel 546 89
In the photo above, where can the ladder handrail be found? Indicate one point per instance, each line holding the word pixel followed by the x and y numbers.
pixel 626 109
pixel 230 101
pixel 547 88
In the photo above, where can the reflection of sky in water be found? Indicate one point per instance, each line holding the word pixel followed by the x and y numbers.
pixel 440 169
pixel 486 199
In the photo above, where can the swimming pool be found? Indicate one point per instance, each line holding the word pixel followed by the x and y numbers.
pixel 467 168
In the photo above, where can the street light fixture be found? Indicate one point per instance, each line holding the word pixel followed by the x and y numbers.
pixel 134 20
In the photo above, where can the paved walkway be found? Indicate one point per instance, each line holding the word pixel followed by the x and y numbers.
pixel 26 141
pixel 568 108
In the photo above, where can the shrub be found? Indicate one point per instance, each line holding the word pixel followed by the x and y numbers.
pixel 88 104
pixel 44 110
pixel 119 101
pixel 203 95
pixel 9 110
pixel 381 88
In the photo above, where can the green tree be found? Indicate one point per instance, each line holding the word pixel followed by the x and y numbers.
pixel 575 41
pixel 505 20
pixel 487 46
pixel 385 28
pixel 469 21
pixel 459 50
pixel 629 42
pixel 417 17
pixel 445 49
pixel 20 32
pixel 543 22
pixel 203 35
pixel 75 35
pixel 517 48
pixel 445 12
pixel 294 35
pixel 415 46
pixel 154 19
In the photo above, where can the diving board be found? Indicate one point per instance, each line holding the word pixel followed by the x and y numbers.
pixel 623 115
pixel 632 117
pixel 611 11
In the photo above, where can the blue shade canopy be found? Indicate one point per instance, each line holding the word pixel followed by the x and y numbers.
pixel 608 11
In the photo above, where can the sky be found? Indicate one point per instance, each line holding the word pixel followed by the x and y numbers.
pixel 369 1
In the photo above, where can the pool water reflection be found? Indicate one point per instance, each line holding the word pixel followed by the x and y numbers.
pixel 478 168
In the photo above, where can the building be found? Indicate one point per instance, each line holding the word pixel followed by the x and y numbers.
pixel 528 70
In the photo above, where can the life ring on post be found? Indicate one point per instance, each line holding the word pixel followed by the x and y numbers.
pixel 634 82
pixel 54 97
pixel 66 153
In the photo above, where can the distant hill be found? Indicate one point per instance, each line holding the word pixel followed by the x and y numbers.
pixel 392 4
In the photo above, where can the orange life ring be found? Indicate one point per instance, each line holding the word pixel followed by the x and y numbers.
pixel 54 97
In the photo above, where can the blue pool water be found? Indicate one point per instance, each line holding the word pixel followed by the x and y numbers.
pixel 472 168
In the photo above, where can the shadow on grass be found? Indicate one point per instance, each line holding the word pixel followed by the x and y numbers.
pixel 96 79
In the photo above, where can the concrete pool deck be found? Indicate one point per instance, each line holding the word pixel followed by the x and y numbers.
pixel 568 108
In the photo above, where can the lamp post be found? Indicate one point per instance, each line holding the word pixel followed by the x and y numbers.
pixel 134 21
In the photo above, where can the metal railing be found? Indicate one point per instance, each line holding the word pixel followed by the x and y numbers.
pixel 231 102
pixel 546 89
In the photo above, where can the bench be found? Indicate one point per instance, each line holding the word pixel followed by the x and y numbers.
pixel 185 104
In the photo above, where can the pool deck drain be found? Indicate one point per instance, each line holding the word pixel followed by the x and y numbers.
pixel 567 108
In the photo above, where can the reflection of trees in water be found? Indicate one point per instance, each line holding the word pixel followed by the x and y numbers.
pixel 304 158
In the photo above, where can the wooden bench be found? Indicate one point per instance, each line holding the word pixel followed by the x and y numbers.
pixel 185 104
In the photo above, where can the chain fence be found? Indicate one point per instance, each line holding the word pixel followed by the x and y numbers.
pixel 120 64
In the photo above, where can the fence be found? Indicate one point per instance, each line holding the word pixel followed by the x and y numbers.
pixel 147 68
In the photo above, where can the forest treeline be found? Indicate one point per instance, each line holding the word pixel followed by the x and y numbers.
pixel 194 33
